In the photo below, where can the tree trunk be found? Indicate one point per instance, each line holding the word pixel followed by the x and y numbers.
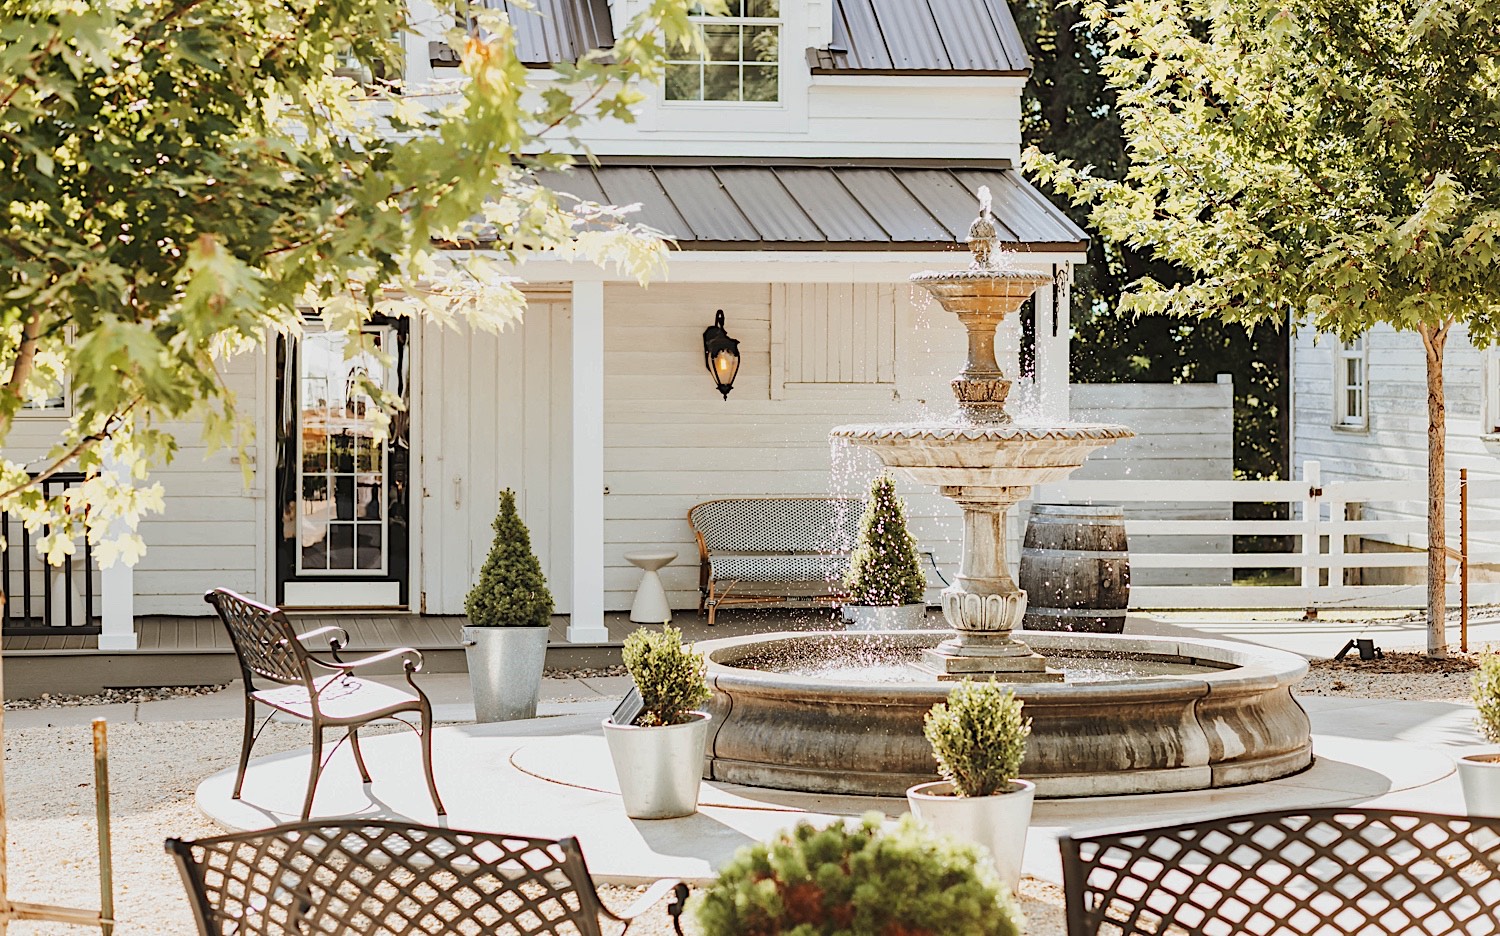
pixel 1433 339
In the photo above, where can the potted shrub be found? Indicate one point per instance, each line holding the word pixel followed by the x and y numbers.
pixel 885 586
pixel 658 757
pixel 857 878
pixel 1480 773
pixel 978 738
pixel 510 614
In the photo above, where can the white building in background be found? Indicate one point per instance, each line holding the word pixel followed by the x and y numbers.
pixel 804 177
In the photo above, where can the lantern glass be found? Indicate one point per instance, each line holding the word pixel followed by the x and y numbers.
pixel 721 355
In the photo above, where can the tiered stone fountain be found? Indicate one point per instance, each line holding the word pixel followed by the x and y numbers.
pixel 842 712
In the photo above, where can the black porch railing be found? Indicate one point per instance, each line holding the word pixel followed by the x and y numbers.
pixel 39 599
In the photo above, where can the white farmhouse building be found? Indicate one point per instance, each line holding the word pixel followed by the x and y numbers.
pixel 828 151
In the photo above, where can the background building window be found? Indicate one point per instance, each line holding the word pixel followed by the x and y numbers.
pixel 1351 391
pixel 740 61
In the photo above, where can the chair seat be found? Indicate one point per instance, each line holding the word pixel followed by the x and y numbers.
pixel 340 696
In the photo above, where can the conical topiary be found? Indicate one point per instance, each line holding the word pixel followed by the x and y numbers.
pixel 884 571
pixel 511 591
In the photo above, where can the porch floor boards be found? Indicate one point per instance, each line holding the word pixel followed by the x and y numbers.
pixel 205 634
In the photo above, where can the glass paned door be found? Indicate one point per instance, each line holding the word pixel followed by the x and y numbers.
pixel 341 503
pixel 342 491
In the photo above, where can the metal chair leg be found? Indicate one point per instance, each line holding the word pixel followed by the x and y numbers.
pixel 427 759
pixel 246 743
pixel 359 756
pixel 317 768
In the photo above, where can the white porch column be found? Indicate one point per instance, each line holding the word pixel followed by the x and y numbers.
pixel 1053 333
pixel 586 625
pixel 116 595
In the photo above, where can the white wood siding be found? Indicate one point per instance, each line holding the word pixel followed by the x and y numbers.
pixel 832 337
pixel 1394 447
pixel 494 412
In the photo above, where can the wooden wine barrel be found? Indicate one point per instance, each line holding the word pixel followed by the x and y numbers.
pixel 1075 569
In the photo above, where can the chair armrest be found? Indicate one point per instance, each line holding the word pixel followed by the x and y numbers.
pixel 412 658
pixel 651 898
pixel 339 641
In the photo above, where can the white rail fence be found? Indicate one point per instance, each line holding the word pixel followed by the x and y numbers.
pixel 1326 527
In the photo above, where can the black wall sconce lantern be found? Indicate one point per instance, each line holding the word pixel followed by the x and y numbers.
pixel 721 354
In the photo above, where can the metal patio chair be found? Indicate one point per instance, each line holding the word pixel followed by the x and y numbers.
pixel 393 878
pixel 324 691
pixel 1328 871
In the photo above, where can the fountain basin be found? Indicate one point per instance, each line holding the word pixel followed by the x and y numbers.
pixel 1225 717
pixel 984 456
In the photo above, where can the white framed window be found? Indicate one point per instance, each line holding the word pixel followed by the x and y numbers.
pixel 740 61
pixel 1351 391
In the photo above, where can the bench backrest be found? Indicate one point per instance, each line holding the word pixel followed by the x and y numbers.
pixel 385 879
pixel 778 524
pixel 1334 871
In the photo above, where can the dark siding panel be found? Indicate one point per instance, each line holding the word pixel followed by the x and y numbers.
pixel 558 30
pixel 954 205
pixel 924 36
pixel 579 181
pixel 911 34
pixel 968 34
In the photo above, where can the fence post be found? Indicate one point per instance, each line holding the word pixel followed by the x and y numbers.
pixel 1312 510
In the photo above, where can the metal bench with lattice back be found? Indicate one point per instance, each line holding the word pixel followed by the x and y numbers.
pixel 1289 873
pixel 377 878
pixel 775 550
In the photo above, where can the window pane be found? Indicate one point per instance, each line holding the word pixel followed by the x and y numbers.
pixel 684 83
pixel 341 546
pixel 1354 375
pixel 367 497
pixel 723 42
pixel 368 546
pixel 760 83
pixel 343 497
pixel 769 8
pixel 721 82
pixel 762 44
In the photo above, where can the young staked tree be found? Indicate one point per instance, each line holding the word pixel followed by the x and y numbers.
pixel 1318 161
pixel 182 179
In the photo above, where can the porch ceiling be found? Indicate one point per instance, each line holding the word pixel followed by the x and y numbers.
pixel 727 204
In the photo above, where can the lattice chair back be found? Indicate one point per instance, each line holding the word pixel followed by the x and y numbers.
pixel 386 879
pixel 1344 871
pixel 794 525
pixel 263 639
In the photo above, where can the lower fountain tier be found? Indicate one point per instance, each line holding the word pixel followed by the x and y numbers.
pixel 1235 722
pixel 986 456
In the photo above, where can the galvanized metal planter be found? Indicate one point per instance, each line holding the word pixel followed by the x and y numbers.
pixel 1480 776
pixel 996 822
pixel 660 768
pixel 505 670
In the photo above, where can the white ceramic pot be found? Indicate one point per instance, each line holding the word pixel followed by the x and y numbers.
pixel 1480 776
pixel 996 822
pixel 659 769
pixel 898 617
pixel 505 670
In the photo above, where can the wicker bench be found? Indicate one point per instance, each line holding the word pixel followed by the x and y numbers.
pixel 1289 873
pixel 775 550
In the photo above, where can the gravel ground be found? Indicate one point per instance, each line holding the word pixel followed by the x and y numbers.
pixel 155 767
pixel 1397 676
pixel 111 696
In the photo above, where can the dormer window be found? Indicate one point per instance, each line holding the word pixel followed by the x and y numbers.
pixel 740 60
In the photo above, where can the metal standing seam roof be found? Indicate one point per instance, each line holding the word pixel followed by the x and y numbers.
pixel 945 37
pixel 790 205
pixel 551 31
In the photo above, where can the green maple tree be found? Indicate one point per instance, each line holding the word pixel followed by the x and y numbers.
pixel 1311 162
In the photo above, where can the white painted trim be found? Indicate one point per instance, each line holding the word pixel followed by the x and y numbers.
pixel 342 595
pixel 954 82
pixel 586 623
pixel 1052 334
pixel 791 266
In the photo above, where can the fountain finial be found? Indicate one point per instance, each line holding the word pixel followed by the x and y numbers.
pixel 982 233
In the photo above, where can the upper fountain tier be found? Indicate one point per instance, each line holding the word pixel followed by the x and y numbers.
pixel 982 446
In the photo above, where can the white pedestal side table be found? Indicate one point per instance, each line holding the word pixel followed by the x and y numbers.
pixel 650 605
